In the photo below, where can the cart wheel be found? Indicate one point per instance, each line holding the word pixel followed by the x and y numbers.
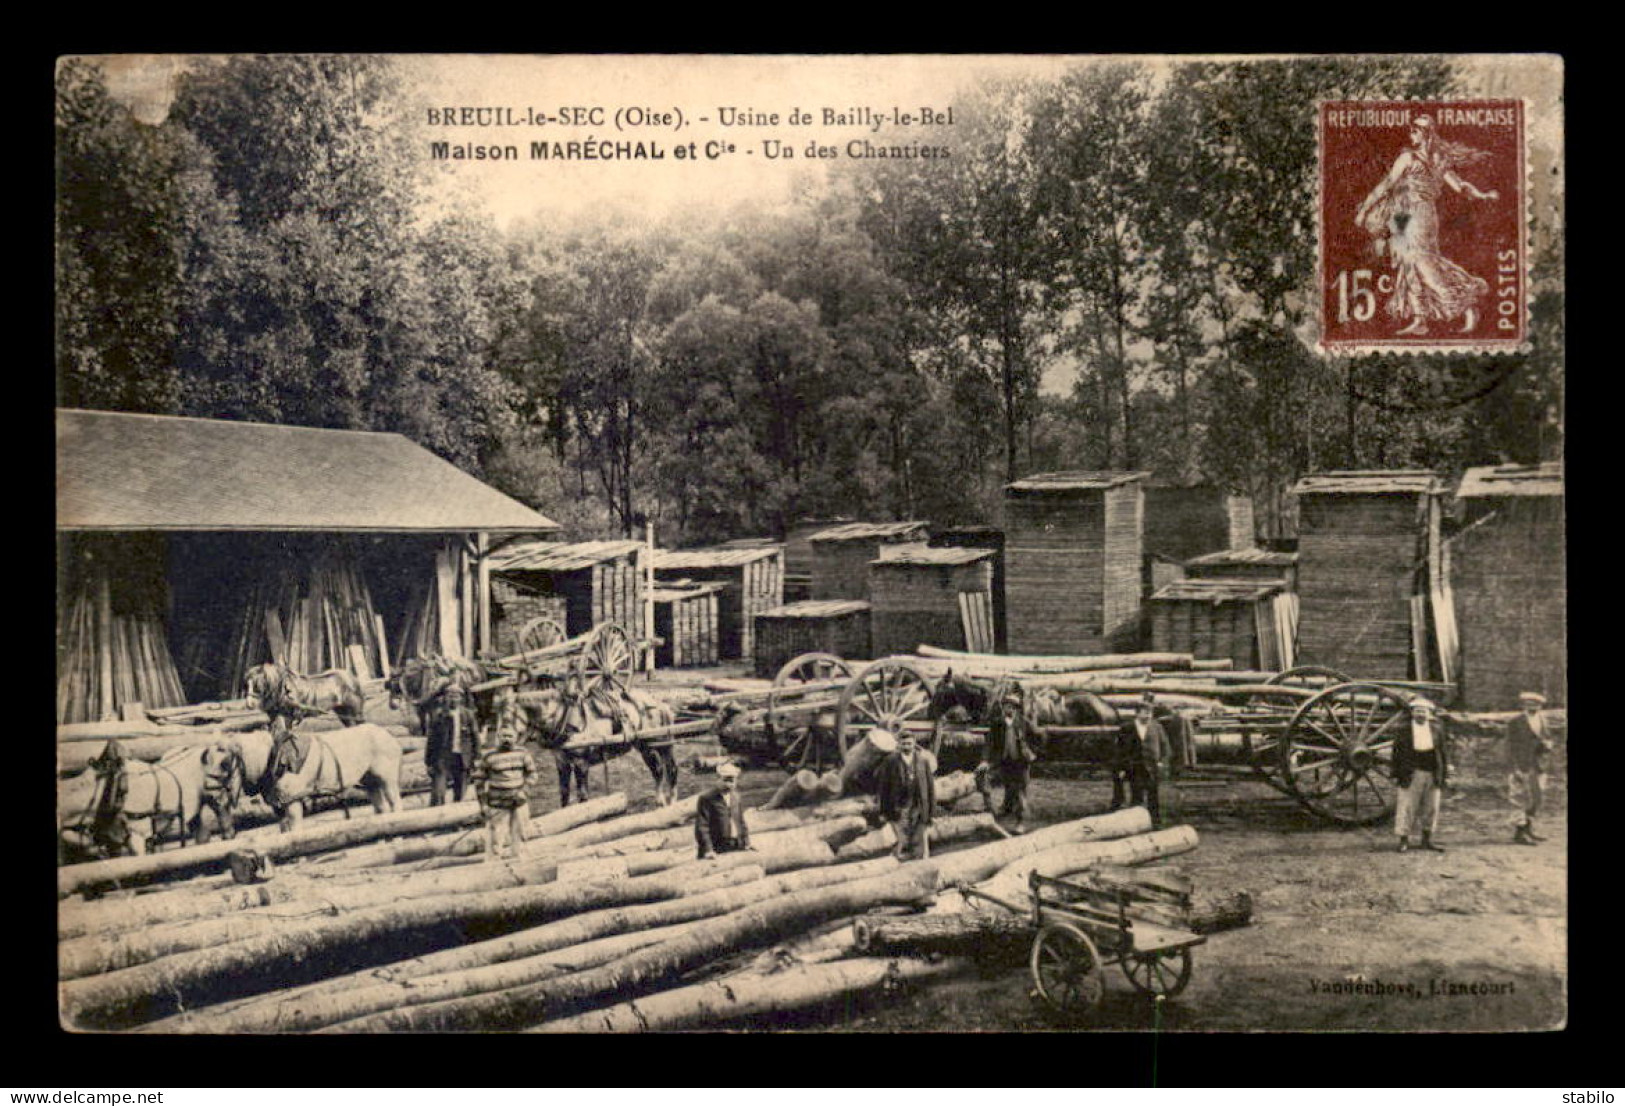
pixel 886 694
pixel 809 748
pixel 1158 973
pixel 606 659
pixel 1265 745
pixel 1066 970
pixel 539 633
pixel 1338 751
pixel 809 667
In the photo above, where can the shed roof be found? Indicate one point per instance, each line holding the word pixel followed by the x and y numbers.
pixel 1217 591
pixel 926 556
pixel 816 608
pixel 675 591
pixel 1246 557
pixel 545 556
pixel 869 531
pixel 1372 482
pixel 1519 480
pixel 717 557
pixel 1074 481
pixel 119 471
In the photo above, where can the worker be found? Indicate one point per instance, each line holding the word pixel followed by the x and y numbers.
pixel 501 779
pixel 719 819
pixel 1529 748
pixel 1142 751
pixel 907 794
pixel 1419 770
pixel 1010 751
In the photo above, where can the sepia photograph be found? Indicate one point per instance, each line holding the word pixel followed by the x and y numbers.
pixel 817 544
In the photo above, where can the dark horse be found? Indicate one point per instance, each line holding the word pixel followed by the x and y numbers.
pixel 1000 705
pixel 586 731
pixel 283 693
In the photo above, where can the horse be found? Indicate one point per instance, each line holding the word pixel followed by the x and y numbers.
pixel 1072 708
pixel 121 807
pixel 453 729
pixel 964 700
pixel 414 683
pixel 284 693
pixel 553 719
pixel 366 756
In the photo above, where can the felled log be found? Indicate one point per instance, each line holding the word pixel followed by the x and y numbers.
pixel 76 877
pixel 1010 881
pixel 1039 663
pixel 301 950
pixel 801 788
pixel 753 995
pixel 863 758
pixel 982 935
pixel 955 827
pixel 1216 913
pixel 757 924
pixel 974 865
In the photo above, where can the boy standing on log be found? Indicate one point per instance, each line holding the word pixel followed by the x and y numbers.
pixel 907 796
pixel 719 819
pixel 501 778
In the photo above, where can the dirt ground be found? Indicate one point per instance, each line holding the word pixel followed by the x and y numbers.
pixel 1347 933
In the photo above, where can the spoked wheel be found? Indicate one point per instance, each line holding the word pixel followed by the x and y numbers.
pixel 1158 973
pixel 886 694
pixel 1264 744
pixel 1066 970
pixel 1338 751
pixel 538 633
pixel 813 746
pixel 605 663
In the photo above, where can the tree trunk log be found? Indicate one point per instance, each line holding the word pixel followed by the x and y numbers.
pixel 800 789
pixel 974 865
pixel 1037 663
pixel 302 951
pixel 975 934
pixel 861 761
pixel 955 827
pixel 760 923
pixel 764 995
pixel 1010 882
pixel 1216 913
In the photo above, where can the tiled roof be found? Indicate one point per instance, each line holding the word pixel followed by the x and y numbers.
pixel 117 471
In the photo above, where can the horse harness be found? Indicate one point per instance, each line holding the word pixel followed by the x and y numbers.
pixel 106 820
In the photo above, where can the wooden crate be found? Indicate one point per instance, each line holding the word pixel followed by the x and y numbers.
pixel 838 626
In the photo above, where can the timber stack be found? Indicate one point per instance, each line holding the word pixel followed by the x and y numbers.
pixel 842 555
pixel 750 574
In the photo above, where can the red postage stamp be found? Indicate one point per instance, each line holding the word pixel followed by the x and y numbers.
pixel 1423 246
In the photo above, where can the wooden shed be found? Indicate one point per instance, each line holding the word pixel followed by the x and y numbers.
pixel 599 581
pixel 798 556
pixel 752 575
pixel 1252 623
pixel 841 555
pixel 981 537
pixel 1511 585
pixel 1374 601
pixel 1245 564
pixel 931 597
pixel 838 626
pixel 1073 562
pixel 1181 523
pixel 686 623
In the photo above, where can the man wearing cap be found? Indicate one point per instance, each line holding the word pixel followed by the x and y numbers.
pixel 907 796
pixel 501 779
pixel 1419 770
pixel 1010 750
pixel 1529 746
pixel 1142 750
pixel 719 819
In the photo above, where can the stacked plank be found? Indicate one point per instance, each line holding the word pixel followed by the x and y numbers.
pixel 312 615
pixel 838 626
pixel 600 581
pixel 686 624
pixel 1262 565
pixel 112 647
pixel 1368 544
pixel 751 572
pixel 991 539
pixel 514 607
pixel 1510 578
pixel 1234 619
pixel 842 554
pixel 915 596
pixel 1073 561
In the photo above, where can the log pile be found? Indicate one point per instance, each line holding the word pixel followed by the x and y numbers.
pixel 605 922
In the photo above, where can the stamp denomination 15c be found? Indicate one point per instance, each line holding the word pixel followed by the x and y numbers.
pixel 1423 244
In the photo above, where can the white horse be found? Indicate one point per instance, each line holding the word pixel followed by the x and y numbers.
pixel 366 756
pixel 120 806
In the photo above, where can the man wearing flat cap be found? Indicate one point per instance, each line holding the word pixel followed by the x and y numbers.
pixel 719 820
pixel 906 794
pixel 1419 770
pixel 1142 750
pixel 1529 748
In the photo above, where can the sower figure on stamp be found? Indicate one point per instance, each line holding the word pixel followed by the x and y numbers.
pixel 1529 748
pixel 1419 770
pixel 907 796
pixel 501 779
pixel 1142 750
pixel 719 819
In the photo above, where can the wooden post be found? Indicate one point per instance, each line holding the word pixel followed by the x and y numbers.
pixel 649 594
pixel 482 544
